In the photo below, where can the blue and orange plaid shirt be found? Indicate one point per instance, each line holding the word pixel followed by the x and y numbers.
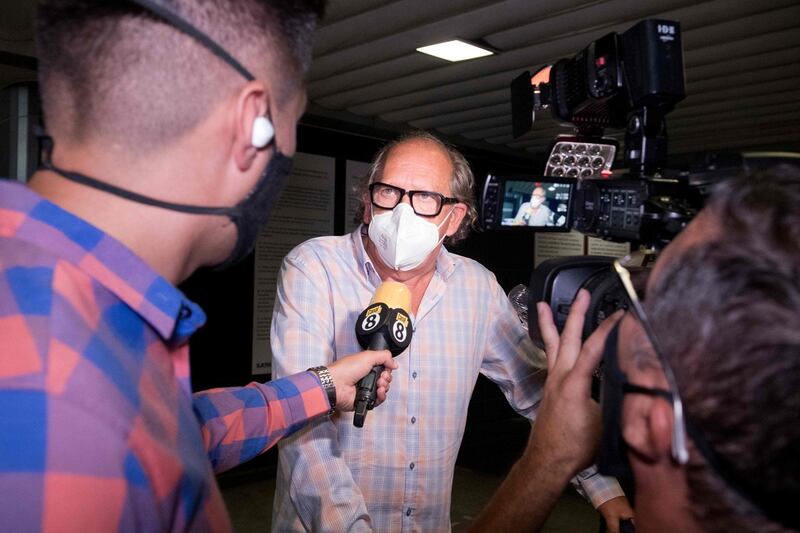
pixel 99 430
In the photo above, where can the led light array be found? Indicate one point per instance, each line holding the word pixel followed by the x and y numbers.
pixel 572 159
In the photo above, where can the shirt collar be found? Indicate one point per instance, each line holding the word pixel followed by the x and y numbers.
pixel 26 216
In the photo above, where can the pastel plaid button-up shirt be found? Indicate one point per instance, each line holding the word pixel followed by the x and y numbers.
pixel 395 473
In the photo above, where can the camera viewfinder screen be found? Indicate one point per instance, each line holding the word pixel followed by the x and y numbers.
pixel 535 203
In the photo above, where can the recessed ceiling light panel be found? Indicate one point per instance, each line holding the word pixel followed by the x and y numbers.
pixel 455 50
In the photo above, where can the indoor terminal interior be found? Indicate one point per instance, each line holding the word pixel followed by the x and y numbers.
pixel 369 82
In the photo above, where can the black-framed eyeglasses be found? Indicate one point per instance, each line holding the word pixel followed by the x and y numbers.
pixel 424 203
pixel 680 451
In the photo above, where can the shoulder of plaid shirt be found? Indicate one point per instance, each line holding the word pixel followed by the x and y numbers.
pixel 98 428
pixel 334 477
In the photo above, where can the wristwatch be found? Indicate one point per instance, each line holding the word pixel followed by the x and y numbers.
pixel 326 380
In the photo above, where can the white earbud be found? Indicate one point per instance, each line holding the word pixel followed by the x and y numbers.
pixel 262 132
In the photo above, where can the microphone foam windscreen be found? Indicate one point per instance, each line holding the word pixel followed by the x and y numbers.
pixel 394 294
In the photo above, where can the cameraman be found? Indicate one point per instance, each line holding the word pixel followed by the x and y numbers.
pixel 735 270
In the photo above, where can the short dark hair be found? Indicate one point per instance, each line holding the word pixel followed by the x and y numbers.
pixel 109 69
pixel 737 361
pixel 462 181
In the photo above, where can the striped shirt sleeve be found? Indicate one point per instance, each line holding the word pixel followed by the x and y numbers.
pixel 596 488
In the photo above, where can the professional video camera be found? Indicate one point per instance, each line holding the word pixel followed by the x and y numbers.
pixel 558 280
pixel 625 80
pixel 629 80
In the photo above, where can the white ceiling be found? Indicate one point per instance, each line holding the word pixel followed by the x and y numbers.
pixel 742 60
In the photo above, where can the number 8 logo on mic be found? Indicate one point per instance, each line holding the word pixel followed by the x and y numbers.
pixel 399 332
pixel 399 327
pixel 371 320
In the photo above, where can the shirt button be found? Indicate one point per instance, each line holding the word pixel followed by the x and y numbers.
pixel 413 419
pixel 411 466
pixel 414 375
pixel 408 511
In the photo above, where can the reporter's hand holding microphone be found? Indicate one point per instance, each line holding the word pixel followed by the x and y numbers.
pixel 384 325
pixel 361 381
pixel 347 372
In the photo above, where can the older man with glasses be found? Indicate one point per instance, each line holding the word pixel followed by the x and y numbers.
pixel 701 388
pixel 396 472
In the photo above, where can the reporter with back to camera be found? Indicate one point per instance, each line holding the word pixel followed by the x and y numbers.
pixel 703 413
pixel 99 430
pixel 337 477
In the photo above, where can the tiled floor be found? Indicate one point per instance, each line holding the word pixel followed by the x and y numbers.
pixel 248 494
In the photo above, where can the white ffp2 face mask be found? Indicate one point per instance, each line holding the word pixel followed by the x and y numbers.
pixel 403 239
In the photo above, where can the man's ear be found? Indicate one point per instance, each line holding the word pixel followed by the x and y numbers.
pixel 251 103
pixel 454 222
pixel 648 432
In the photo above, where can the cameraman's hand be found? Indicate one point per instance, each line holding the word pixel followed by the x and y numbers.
pixel 346 373
pixel 565 433
pixel 567 427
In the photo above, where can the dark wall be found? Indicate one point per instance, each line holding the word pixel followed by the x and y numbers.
pixel 221 350
pixel 20 114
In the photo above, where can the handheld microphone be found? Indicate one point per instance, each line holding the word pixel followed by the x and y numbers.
pixel 383 325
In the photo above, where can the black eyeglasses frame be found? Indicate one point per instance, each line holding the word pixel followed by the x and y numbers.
pixel 443 200
pixel 680 451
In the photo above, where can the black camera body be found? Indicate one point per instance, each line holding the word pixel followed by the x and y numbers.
pixel 631 81
pixel 557 282
pixel 618 73
pixel 645 211
pixel 627 80
pixel 649 211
